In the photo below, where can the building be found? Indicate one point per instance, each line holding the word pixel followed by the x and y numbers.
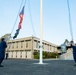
pixel 25 47
pixel 66 53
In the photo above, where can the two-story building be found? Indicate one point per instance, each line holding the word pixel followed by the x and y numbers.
pixel 25 47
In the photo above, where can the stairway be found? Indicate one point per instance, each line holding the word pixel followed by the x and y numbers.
pixel 67 56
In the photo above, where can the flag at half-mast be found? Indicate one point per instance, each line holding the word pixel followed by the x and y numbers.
pixel 21 14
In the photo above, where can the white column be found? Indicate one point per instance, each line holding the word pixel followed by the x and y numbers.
pixel 40 62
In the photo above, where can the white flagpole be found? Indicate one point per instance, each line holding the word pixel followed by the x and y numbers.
pixel 40 62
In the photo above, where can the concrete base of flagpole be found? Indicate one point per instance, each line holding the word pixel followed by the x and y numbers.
pixel 41 63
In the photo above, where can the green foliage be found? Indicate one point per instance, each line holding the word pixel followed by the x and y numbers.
pixel 36 55
pixel 46 55
pixel 53 55
pixel 6 36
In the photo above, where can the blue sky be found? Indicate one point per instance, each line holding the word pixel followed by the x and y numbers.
pixel 55 19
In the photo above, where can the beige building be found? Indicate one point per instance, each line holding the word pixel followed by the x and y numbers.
pixel 25 47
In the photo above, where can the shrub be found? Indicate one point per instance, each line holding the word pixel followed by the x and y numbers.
pixel 36 55
pixel 54 55
pixel 46 55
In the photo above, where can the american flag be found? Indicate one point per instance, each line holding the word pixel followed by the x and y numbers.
pixel 21 14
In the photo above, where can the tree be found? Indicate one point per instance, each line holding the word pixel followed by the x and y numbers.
pixel 6 36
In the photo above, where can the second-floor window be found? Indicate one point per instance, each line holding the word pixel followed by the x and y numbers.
pixel 21 44
pixel 12 45
pixel 8 46
pixel 50 47
pixel 43 46
pixel 17 45
pixel 26 44
pixel 36 44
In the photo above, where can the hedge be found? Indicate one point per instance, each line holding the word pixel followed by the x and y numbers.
pixel 46 55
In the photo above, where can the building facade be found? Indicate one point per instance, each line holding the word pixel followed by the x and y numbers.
pixel 25 47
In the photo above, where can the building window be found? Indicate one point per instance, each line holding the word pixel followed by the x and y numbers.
pixel 8 46
pixel 54 48
pixel 36 44
pixel 16 44
pixel 21 54
pixel 16 54
pixel 43 46
pixel 26 54
pixel 26 44
pixel 12 54
pixel 46 47
pixel 50 47
pixel 21 44
pixel 12 45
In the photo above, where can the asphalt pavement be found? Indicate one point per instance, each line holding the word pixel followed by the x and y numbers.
pixel 32 67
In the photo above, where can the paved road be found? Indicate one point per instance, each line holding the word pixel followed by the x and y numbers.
pixel 31 67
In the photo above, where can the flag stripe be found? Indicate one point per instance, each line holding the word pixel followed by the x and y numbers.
pixel 21 18
pixel 21 14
